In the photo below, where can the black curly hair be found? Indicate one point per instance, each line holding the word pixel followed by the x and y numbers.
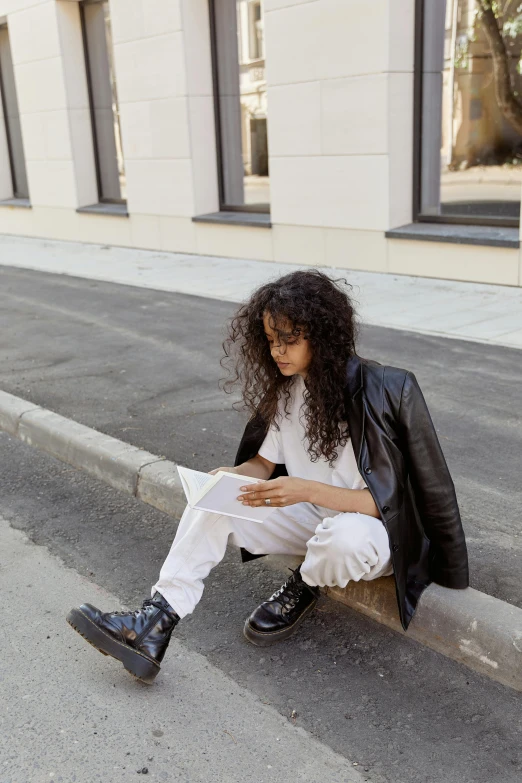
pixel 320 310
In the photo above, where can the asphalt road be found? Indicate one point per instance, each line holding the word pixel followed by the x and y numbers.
pixel 68 718
pixel 401 712
pixel 143 366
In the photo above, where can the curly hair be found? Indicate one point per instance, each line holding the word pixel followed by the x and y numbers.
pixel 319 310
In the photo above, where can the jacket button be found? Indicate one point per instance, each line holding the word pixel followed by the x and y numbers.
pixel 367 469
pixel 385 509
pixel 395 547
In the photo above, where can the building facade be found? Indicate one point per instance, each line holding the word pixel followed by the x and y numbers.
pixel 383 136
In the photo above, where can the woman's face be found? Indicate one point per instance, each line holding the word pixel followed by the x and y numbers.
pixel 290 350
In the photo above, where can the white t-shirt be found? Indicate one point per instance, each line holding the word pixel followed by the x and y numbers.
pixel 288 446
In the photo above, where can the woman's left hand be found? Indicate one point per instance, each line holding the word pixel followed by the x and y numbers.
pixel 283 491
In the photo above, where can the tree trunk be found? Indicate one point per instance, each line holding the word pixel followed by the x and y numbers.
pixel 509 104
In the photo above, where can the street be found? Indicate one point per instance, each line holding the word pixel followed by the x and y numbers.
pixel 397 709
pixel 143 366
pixel 69 719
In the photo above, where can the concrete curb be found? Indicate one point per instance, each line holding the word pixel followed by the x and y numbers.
pixel 159 486
pixel 471 627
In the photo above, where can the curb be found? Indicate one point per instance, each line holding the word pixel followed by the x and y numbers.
pixel 480 631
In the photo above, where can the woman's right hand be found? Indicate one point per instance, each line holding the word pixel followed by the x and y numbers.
pixel 226 470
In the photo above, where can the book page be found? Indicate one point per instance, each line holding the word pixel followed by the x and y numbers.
pixel 201 480
pixel 221 499
pixel 194 481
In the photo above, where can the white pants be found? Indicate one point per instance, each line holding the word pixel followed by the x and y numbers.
pixel 336 549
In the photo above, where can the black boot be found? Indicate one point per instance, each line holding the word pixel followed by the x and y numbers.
pixel 138 639
pixel 279 617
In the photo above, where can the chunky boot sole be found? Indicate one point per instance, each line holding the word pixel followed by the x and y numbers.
pixel 139 665
pixel 271 637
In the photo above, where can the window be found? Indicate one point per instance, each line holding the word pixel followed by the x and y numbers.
pixel 469 125
pixel 12 118
pixel 241 107
pixel 103 97
pixel 255 31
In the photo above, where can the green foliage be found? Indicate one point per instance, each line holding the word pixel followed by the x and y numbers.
pixel 513 27
pixel 462 51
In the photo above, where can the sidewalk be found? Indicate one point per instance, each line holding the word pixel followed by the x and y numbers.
pixel 70 714
pixel 469 311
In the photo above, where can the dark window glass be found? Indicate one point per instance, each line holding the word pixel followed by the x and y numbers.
pixel 240 85
pixel 471 111
pixel 12 118
pixel 104 100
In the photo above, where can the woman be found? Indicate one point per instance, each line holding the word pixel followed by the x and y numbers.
pixel 348 458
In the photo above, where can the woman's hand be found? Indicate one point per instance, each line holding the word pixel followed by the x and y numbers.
pixel 283 491
pixel 226 470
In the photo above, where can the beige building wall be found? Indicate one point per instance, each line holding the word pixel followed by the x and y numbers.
pixel 340 121
pixel 340 90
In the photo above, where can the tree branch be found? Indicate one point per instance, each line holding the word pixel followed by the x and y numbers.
pixel 508 102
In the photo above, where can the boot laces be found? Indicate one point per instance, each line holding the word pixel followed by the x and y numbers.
pixel 291 590
pixel 148 602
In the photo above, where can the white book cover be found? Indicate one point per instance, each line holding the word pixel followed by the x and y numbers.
pixel 218 493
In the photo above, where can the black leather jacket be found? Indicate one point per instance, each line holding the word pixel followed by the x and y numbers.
pixel 401 461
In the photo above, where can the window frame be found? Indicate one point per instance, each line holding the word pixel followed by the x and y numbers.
pixel 101 199
pixel 223 206
pixel 418 216
pixel 17 195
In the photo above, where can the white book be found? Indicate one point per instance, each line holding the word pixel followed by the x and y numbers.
pixel 218 493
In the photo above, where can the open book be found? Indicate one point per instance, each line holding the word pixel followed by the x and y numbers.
pixel 218 493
